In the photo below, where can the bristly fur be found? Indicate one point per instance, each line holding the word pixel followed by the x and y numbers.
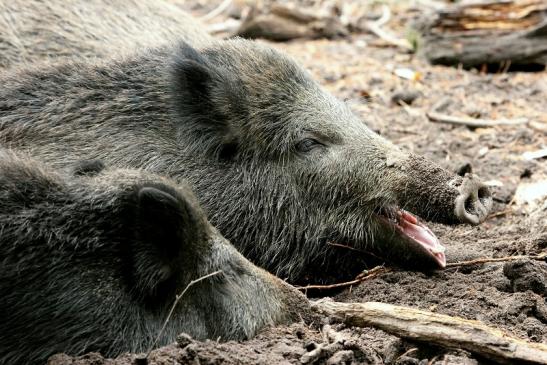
pixel 228 119
pixel 228 116
pixel 101 272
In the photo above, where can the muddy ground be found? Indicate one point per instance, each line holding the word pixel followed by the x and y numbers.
pixel 361 69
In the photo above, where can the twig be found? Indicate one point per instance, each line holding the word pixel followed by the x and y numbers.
pixel 472 122
pixel 334 244
pixel 406 353
pixel 228 26
pixel 379 270
pixel 501 212
pixel 216 11
pixel 384 18
pixel 366 275
pixel 487 260
pixel 376 28
pixel 177 299
pixel 532 155
pixel 435 328
pixel 509 209
pixel 374 271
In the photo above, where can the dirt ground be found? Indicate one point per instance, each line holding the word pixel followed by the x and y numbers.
pixel 361 69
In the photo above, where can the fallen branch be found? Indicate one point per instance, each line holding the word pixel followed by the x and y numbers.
pixel 472 122
pixel 486 33
pixel 434 328
pixel 283 22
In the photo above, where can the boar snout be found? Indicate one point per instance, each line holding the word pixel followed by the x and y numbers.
pixel 474 201
pixel 434 193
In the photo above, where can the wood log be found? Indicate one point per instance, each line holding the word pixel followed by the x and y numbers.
pixel 286 22
pixel 485 33
pixel 434 328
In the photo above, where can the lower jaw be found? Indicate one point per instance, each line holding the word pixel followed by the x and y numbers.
pixel 391 246
pixel 408 238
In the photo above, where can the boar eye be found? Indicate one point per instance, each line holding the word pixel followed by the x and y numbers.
pixel 307 144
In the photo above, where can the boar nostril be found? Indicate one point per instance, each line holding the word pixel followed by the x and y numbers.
pixel 474 202
pixel 469 202
pixel 484 194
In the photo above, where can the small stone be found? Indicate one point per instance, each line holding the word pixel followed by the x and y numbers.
pixel 405 96
pixel 141 360
pixel 341 357
pixel 191 350
pixel 184 340
pixel 465 168
pixel 534 329
pixel 375 80
pixel 527 275
pixel 310 346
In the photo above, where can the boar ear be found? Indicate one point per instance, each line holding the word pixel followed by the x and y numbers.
pixel 207 100
pixel 167 229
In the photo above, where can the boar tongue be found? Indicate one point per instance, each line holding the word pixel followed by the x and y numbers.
pixel 423 235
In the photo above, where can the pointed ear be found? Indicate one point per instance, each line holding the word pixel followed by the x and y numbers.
pixel 193 79
pixel 170 229
pixel 207 100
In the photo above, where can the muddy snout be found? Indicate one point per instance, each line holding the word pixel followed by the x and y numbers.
pixel 474 201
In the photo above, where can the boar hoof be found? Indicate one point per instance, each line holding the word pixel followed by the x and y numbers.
pixel 474 201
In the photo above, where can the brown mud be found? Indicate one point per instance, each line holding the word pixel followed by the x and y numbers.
pixel 362 70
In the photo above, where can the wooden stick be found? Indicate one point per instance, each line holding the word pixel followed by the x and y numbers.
pixel 216 11
pixel 540 257
pixel 434 328
pixel 228 26
pixel 177 299
pixel 334 244
pixel 502 212
pixel 385 35
pixel 472 122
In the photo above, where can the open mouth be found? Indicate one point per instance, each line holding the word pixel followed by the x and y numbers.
pixel 414 233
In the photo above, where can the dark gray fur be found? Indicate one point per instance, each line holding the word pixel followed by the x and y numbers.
pixel 93 263
pixel 233 117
